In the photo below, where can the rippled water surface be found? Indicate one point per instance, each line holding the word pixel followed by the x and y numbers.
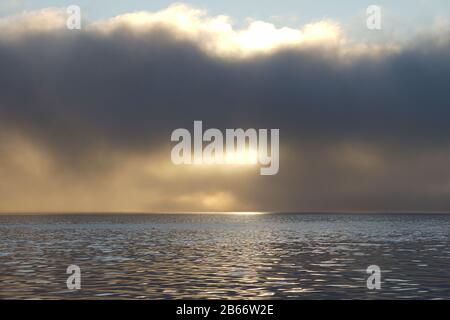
pixel 293 256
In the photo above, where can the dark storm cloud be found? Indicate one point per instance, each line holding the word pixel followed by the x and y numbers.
pixel 127 89
pixel 81 94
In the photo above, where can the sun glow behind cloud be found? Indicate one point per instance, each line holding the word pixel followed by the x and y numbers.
pixel 246 157
pixel 218 35
pixel 215 34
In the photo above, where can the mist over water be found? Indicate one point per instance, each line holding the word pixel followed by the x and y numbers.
pixel 175 256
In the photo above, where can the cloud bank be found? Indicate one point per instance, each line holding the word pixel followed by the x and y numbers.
pixel 86 116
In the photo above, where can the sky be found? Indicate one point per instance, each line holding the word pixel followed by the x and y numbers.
pixel 261 9
pixel 405 15
pixel 86 115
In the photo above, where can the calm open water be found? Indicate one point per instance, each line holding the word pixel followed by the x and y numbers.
pixel 294 256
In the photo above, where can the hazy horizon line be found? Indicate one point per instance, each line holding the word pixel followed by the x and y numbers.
pixel 63 213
